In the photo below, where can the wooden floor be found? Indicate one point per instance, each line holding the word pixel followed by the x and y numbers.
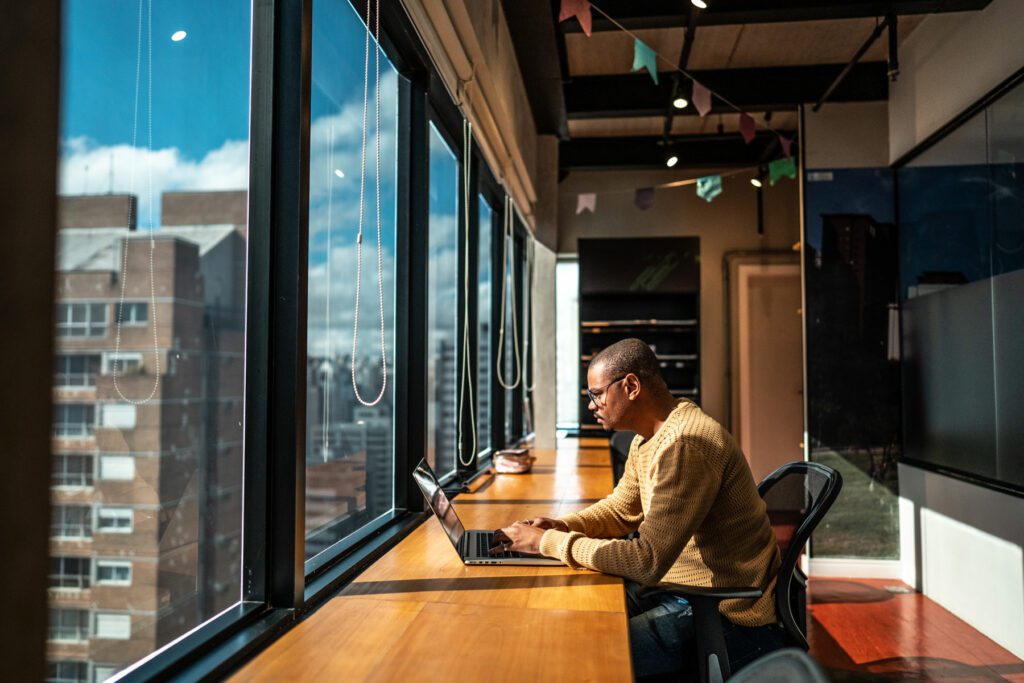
pixel 860 630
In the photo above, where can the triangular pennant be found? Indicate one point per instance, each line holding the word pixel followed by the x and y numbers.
pixel 579 9
pixel 644 58
pixel 787 145
pixel 644 198
pixel 701 99
pixel 781 168
pixel 709 187
pixel 586 201
pixel 748 129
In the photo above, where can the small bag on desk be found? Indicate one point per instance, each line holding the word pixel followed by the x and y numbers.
pixel 513 461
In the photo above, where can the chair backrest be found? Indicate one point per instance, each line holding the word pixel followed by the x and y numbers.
pixel 619 444
pixel 798 495
pixel 789 665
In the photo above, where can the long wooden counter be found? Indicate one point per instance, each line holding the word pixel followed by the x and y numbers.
pixel 419 614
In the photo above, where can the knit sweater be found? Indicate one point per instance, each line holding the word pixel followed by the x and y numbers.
pixel 689 494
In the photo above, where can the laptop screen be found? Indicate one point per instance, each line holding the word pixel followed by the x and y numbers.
pixel 439 502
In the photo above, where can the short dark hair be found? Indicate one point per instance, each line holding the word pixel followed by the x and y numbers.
pixel 630 356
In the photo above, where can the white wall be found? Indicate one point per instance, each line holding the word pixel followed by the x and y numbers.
pixel 543 348
pixel 949 62
pixel 961 543
pixel 847 135
pixel 727 223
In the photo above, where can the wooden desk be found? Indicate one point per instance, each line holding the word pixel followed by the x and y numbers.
pixel 419 614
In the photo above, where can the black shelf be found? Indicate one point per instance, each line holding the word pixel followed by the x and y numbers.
pixel 630 288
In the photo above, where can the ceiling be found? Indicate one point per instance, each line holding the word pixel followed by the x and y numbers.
pixel 766 58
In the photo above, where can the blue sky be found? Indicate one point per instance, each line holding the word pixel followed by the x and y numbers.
pixel 200 84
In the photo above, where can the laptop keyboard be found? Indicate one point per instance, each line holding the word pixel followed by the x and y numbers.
pixel 483 544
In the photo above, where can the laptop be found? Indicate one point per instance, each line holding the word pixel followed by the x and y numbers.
pixel 472 545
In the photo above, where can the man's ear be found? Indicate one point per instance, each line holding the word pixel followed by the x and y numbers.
pixel 633 386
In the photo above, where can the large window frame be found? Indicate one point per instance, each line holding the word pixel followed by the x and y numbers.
pixel 280 587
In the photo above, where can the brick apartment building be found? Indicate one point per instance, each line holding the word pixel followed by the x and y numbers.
pixel 146 496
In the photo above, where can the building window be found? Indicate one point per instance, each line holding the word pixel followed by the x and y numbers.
pixel 71 521
pixel 117 467
pixel 69 624
pixel 67 671
pixel 81 320
pixel 70 572
pixel 113 573
pixel 349 446
pixel 114 626
pixel 72 470
pixel 101 672
pixel 119 415
pixel 121 363
pixel 442 306
pixel 114 520
pixel 76 370
pixel 485 282
pixel 74 420
pixel 133 313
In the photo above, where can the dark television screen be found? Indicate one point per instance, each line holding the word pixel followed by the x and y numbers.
pixel 646 264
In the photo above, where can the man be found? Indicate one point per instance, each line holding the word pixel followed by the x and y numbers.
pixel 688 493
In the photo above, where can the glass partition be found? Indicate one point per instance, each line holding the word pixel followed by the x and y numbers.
pixel 150 328
pixel 349 438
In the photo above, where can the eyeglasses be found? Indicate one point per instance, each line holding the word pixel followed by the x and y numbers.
pixel 600 391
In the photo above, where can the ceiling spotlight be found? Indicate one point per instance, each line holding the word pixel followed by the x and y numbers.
pixel 680 103
pixel 178 36
pixel 699 4
pixel 672 160
pixel 756 182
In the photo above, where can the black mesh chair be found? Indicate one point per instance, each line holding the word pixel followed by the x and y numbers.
pixel 619 445
pixel 797 495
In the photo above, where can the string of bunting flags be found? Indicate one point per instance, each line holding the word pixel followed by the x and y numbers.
pixel 644 57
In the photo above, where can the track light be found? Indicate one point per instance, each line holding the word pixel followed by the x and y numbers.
pixel 672 159
pixel 699 4
pixel 680 103
pixel 756 182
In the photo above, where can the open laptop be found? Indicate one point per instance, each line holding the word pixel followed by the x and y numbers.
pixel 472 545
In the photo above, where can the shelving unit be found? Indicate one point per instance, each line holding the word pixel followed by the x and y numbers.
pixel 648 288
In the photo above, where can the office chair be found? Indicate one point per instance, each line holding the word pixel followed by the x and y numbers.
pixel 798 495
pixel 791 665
pixel 619 444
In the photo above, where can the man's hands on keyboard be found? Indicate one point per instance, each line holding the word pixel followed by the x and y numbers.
pixel 523 537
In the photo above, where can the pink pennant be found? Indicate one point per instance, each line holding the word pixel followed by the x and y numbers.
pixel 586 201
pixel 748 129
pixel 701 99
pixel 579 9
pixel 787 145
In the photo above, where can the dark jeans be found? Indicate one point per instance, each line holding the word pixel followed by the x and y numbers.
pixel 662 641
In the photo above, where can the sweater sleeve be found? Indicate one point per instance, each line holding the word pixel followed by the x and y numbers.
pixel 618 514
pixel 686 482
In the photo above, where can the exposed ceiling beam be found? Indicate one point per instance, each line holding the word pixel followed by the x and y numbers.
pixel 763 89
pixel 536 43
pixel 694 151
pixel 634 14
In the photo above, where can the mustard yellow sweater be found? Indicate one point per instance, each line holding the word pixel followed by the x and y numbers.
pixel 689 494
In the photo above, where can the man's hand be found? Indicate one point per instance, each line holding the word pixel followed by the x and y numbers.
pixel 520 537
pixel 547 523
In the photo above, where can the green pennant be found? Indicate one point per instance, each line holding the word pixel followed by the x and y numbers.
pixel 644 58
pixel 781 168
pixel 709 187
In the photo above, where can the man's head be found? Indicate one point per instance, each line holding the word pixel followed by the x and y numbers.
pixel 623 380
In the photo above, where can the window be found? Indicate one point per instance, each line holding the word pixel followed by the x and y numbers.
pixel 510 339
pixel 71 521
pixel 72 470
pixel 164 244
pixel 76 370
pixel 113 626
pixel 114 520
pixel 134 313
pixel 117 467
pixel 349 445
pixel 119 415
pixel 70 572
pixel 442 306
pixel 74 420
pixel 69 624
pixel 567 341
pixel 485 359
pixel 113 573
pixel 67 671
pixel 101 673
pixel 81 320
